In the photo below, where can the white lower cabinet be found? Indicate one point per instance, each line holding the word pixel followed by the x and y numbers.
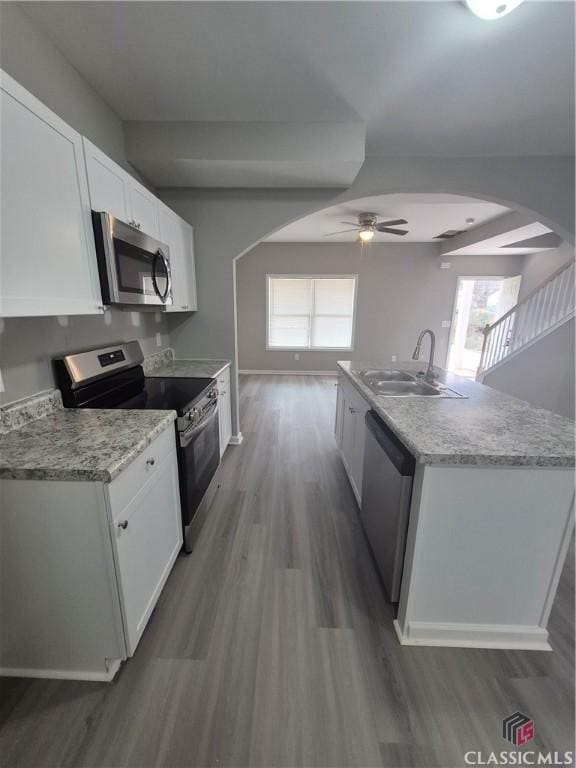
pixel 83 565
pixel 224 409
pixel 350 433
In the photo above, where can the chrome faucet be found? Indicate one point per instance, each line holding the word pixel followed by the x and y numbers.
pixel 429 375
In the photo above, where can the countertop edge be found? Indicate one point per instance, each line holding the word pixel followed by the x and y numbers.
pixel 160 371
pixel 105 475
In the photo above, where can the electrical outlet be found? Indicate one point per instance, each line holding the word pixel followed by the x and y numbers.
pixel 135 318
pixel 297 356
pixel 2 389
pixel 394 358
pixel 63 320
pixel 445 264
pixel 446 323
pixel 158 339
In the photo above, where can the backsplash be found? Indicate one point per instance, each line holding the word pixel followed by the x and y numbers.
pixel 28 344
pixel 157 359
pixel 21 412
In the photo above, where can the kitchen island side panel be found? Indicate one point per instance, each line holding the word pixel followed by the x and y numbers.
pixel 485 549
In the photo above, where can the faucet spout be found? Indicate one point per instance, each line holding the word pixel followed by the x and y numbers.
pixel 429 375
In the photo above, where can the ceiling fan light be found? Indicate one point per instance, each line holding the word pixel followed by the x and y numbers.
pixel 492 9
pixel 366 234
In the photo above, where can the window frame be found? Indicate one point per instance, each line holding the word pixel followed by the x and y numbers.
pixel 310 348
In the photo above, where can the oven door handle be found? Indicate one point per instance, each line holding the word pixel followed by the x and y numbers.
pixel 187 436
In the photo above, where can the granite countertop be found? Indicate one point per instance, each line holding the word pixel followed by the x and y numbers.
pixel 487 428
pixel 193 369
pixel 79 444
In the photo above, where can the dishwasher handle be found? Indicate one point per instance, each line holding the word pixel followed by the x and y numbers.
pixel 396 451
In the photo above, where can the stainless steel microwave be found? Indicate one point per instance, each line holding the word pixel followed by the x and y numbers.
pixel 134 268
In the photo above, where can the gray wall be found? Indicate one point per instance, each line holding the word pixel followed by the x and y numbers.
pixel 401 290
pixel 27 344
pixel 542 374
pixel 28 55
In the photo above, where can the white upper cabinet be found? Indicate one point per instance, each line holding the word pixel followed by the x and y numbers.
pixel 113 190
pixel 108 183
pixel 179 237
pixel 143 208
pixel 47 256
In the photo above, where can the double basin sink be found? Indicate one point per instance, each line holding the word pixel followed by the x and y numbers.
pixel 397 383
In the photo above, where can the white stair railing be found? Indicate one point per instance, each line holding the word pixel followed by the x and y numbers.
pixel 544 308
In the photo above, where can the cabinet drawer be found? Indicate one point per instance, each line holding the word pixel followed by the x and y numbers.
pixel 124 487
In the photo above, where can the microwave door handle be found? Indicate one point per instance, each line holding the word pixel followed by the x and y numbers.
pixel 162 296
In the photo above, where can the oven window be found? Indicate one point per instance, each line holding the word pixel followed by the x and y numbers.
pixel 133 268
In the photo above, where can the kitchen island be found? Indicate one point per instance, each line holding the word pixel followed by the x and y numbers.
pixel 491 514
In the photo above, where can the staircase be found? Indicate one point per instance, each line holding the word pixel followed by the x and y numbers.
pixel 539 313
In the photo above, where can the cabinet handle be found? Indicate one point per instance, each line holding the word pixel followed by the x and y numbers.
pixel 353 410
pixel 150 462
pixel 123 525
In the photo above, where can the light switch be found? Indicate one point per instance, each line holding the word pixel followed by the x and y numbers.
pixel 446 323
pixel 297 356
pixel 445 264
pixel 394 358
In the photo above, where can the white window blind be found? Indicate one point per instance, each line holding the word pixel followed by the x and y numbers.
pixel 310 312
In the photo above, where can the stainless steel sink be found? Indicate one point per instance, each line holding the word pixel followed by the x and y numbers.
pixel 372 375
pixel 398 383
pixel 405 388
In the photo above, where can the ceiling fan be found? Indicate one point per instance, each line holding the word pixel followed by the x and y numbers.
pixel 368 225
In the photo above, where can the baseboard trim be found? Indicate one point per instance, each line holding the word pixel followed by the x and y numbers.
pixel 64 674
pixel 456 635
pixel 237 439
pixel 290 373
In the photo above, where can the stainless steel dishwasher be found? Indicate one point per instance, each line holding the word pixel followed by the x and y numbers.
pixel 386 494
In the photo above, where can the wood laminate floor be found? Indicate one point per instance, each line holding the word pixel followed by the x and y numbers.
pixel 272 644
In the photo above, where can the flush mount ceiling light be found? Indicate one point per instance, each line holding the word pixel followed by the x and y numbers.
pixel 492 9
pixel 366 233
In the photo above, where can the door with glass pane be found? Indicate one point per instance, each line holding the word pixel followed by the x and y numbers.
pixel 480 301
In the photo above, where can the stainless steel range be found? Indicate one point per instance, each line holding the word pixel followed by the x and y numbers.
pixel 113 377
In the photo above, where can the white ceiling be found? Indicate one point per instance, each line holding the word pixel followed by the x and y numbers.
pixel 428 78
pixel 427 215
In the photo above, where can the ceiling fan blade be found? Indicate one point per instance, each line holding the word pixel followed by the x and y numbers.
pixel 340 232
pixel 390 223
pixel 352 223
pixel 393 231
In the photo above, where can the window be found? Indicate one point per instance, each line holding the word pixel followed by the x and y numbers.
pixel 306 312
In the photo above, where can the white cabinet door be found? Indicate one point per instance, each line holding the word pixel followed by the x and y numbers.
pixel 113 190
pixel 357 459
pixel 224 409
pixel 47 255
pixel 143 208
pixel 339 414
pixel 353 434
pixel 107 182
pixel 148 537
pixel 178 236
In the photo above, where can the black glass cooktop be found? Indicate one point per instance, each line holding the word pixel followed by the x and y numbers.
pixel 168 394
